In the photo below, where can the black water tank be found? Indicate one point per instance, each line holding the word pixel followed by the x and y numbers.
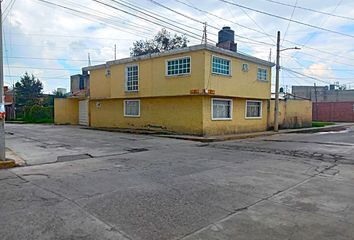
pixel 226 34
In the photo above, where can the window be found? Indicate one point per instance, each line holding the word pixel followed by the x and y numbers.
pixel 220 66
pixel 262 74
pixel 253 109
pixel 132 108
pixel 221 109
pixel 245 67
pixel 178 66
pixel 132 78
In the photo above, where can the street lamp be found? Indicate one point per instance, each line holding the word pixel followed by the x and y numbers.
pixel 276 104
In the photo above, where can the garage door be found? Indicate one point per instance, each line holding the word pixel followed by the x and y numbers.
pixel 83 113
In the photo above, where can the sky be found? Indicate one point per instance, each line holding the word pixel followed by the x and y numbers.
pixel 53 42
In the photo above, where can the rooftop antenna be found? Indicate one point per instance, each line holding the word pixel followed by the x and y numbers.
pixel 204 37
pixel 89 59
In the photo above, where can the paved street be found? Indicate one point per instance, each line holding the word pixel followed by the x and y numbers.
pixel 88 184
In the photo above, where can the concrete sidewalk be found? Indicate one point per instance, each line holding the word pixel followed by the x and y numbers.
pixel 337 127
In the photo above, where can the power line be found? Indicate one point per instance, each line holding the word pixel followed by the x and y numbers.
pixel 192 34
pixel 287 27
pixel 302 74
pixel 288 19
pixel 59 69
pixel 56 59
pixel 310 9
pixel 196 20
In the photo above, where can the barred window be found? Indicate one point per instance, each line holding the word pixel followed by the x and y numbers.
pixel 132 78
pixel 132 108
pixel 221 109
pixel 220 66
pixel 179 66
pixel 262 74
pixel 253 109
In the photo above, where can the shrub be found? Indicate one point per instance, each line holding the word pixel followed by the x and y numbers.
pixel 39 114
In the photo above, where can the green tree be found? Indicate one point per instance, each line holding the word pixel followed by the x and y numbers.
pixel 28 91
pixel 163 41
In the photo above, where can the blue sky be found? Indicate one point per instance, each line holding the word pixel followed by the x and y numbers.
pixel 54 43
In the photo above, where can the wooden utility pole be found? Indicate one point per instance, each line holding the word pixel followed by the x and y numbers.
pixel 276 103
pixel 2 99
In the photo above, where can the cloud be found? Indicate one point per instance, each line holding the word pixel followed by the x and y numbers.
pixel 319 70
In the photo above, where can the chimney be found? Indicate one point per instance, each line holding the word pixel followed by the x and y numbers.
pixel 227 39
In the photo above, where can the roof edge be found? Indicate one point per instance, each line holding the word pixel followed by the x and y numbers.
pixel 182 50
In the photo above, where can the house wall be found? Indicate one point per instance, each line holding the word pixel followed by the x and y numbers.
pixel 153 81
pixel 66 111
pixel 238 84
pixel 293 113
pixel 176 114
pixel 238 124
pixel 334 111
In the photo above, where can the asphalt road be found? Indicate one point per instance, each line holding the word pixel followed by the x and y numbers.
pixel 88 184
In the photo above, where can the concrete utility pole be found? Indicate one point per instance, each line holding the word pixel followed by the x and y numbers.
pixel 115 51
pixel 2 99
pixel 276 103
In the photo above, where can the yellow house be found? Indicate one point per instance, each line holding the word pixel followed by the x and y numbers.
pixel 201 90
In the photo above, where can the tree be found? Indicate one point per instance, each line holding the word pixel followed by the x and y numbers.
pixel 163 41
pixel 28 91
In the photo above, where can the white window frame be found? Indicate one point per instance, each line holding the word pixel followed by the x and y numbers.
pixel 126 77
pixel 224 58
pixel 179 74
pixel 131 100
pixel 212 109
pixel 263 68
pixel 260 110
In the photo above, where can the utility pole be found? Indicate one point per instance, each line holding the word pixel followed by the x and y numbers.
pixel 115 51
pixel 2 99
pixel 276 103
pixel 204 37
pixel 89 59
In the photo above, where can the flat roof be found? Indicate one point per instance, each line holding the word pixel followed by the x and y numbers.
pixel 211 48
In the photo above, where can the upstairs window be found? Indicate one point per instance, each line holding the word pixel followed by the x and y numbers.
pixel 132 78
pixel 262 74
pixel 221 109
pixel 253 109
pixel 220 66
pixel 180 66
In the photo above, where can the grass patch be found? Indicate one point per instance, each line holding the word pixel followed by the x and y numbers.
pixel 321 124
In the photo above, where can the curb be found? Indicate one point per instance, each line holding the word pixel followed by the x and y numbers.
pixel 258 134
pixel 7 164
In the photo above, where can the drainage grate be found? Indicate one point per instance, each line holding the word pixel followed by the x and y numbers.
pixel 67 158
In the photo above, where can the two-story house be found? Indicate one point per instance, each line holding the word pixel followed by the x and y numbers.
pixel 202 90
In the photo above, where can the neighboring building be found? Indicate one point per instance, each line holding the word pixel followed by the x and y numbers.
pixel 329 104
pixel 80 84
pixel 201 90
pixel 9 103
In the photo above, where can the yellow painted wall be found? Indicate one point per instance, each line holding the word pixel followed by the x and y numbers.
pixel 153 81
pixel 66 111
pixel 239 84
pixel 293 113
pixel 177 114
pixel 238 124
pixel 100 85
